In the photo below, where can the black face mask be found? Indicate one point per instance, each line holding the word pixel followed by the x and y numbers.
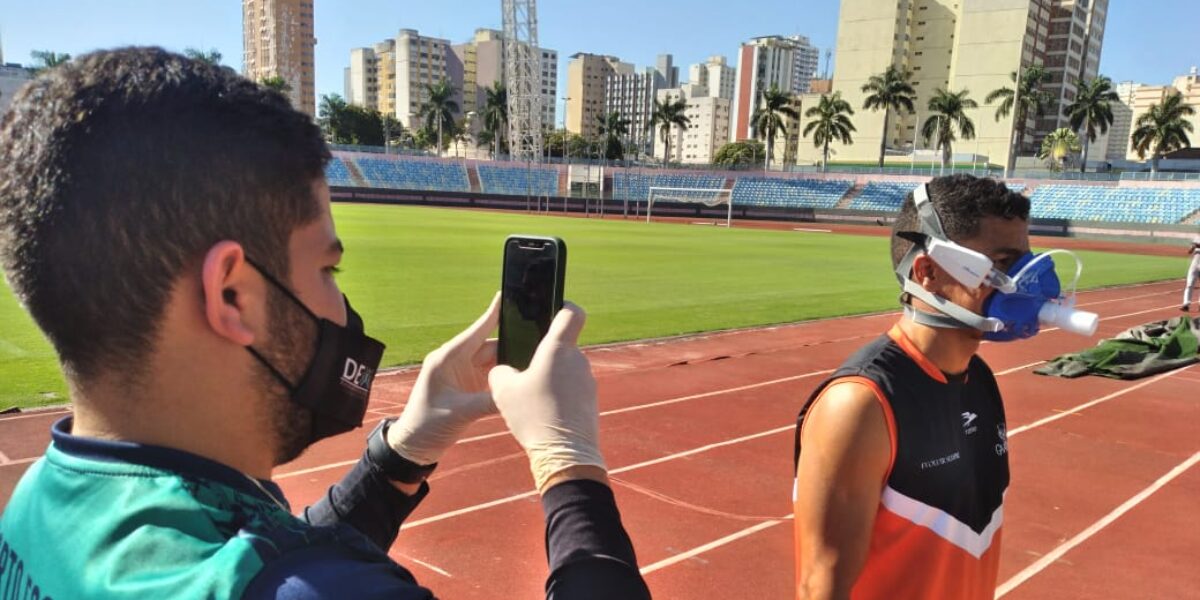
pixel 337 382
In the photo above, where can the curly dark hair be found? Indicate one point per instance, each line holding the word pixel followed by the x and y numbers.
pixel 120 169
pixel 961 202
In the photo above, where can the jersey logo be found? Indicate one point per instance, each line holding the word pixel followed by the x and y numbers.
pixel 968 419
pixel 1002 435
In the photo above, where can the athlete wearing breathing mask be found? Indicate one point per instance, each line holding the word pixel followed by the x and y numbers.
pixel 902 455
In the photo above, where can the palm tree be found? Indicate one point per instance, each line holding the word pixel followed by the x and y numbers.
pixel 439 109
pixel 1030 99
pixel 768 118
pixel 1163 129
pixel 1092 111
pixel 495 116
pixel 949 112
pixel 735 154
pixel 392 130
pixel 276 83
pixel 831 122
pixel 613 128
pixel 1057 146
pixel 212 57
pixel 330 115
pixel 889 91
pixel 667 113
pixel 47 59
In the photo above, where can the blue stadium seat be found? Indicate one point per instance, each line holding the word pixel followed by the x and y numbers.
pixel 889 195
pixel 1125 205
pixel 636 186
pixel 518 181
pixel 336 173
pixel 402 174
pixel 789 193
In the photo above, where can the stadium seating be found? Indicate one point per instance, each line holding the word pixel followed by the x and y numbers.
pixel 336 173
pixel 789 193
pixel 404 174
pixel 636 186
pixel 518 181
pixel 1126 205
pixel 889 195
pixel 882 195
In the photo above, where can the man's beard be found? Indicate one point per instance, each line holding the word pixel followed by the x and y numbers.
pixel 291 346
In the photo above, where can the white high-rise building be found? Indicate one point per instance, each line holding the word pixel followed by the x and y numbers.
pixel 786 63
pixel 393 76
pixel 632 96
pixel 482 61
pixel 718 78
pixel 708 129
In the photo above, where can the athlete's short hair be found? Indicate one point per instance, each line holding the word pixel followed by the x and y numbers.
pixel 961 202
pixel 120 169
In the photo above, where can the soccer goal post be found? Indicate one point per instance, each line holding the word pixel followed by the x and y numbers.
pixel 706 196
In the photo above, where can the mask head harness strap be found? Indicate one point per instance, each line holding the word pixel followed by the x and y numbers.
pixel 952 316
pixel 283 380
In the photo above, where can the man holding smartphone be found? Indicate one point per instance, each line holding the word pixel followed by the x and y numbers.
pixel 168 227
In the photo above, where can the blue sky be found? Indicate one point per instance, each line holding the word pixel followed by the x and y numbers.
pixel 1139 45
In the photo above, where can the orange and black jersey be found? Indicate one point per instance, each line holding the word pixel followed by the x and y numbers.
pixel 937 530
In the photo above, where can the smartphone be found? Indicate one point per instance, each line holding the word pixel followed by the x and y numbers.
pixel 531 293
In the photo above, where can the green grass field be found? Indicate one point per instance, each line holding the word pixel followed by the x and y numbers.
pixel 420 275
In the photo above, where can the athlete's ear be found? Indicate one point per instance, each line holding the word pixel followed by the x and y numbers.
pixel 924 271
pixel 233 293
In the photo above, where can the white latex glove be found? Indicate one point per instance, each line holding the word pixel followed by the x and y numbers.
pixel 451 392
pixel 551 406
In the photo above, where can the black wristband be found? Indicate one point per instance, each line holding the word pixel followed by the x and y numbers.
pixel 391 463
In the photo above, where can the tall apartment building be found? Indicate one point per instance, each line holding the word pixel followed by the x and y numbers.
pixel 1145 96
pixel 1115 144
pixel 963 44
pixel 278 41
pixel 708 130
pixel 718 78
pixel 805 64
pixel 632 96
pixel 371 77
pixel 587 76
pixel 393 76
pixel 786 63
pixel 483 65
pixel 1072 53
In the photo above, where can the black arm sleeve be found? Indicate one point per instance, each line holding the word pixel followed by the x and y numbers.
pixel 366 500
pixel 589 551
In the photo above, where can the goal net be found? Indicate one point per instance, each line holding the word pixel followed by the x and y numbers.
pixel 710 197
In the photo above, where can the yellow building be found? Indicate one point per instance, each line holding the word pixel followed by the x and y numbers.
pixel 956 45
pixel 1145 96
pixel 277 41
pixel 371 77
pixel 587 76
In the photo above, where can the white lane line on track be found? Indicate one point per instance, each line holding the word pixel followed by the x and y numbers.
pixel 751 530
pixel 618 471
pixel 698 550
pixel 498 434
pixel 1090 404
pixel 1051 557
pixel 669 401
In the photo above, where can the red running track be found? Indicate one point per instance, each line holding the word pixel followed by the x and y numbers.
pixel 698 435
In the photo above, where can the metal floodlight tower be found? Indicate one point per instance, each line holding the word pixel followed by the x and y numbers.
pixel 523 78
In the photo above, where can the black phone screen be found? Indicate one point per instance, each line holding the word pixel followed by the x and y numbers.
pixel 530 297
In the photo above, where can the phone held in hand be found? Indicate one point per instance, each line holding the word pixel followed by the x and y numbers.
pixel 531 293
